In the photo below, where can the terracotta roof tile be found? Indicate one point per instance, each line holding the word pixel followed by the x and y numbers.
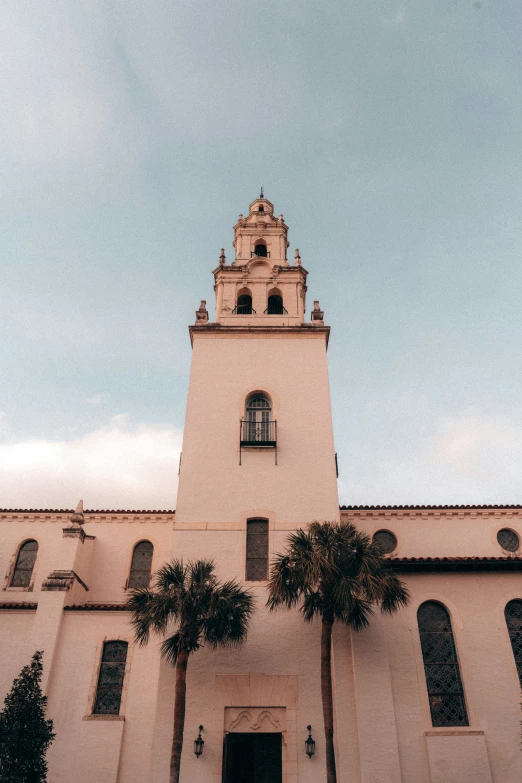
pixel 455 563
pixel 96 608
pixel 389 508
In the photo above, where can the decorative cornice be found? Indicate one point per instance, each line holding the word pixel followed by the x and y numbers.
pixel 62 580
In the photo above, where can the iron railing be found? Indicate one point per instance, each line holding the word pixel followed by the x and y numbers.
pixel 243 310
pixel 262 434
pixel 279 310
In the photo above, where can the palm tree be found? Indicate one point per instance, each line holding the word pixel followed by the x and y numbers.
pixel 203 610
pixel 334 571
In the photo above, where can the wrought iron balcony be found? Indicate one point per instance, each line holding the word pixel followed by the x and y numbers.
pixel 243 310
pixel 259 433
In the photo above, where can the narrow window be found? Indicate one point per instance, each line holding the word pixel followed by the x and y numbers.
pixel 257 550
pixel 441 666
pixel 261 250
pixel 244 304
pixel 110 679
pixel 258 419
pixel 275 305
pixel 141 565
pixel 23 569
pixel 261 208
pixel 513 612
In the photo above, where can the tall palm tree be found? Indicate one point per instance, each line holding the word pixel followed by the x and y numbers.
pixel 204 612
pixel 333 571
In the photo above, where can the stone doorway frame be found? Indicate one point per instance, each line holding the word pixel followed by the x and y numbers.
pixel 257 703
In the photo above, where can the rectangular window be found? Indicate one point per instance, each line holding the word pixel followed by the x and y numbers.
pixel 110 679
pixel 257 550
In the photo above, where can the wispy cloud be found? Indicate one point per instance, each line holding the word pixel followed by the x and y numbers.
pixel 96 399
pixel 398 20
pixel 120 465
pixel 467 459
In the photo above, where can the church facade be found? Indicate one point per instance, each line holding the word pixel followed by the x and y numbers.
pixel 429 695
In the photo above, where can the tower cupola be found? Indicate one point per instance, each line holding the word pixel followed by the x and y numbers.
pixel 260 288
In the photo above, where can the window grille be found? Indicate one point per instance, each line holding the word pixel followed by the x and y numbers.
pixel 110 679
pixel 385 540
pixel 141 565
pixel 513 613
pixel 441 666
pixel 24 566
pixel 508 540
pixel 244 305
pixel 257 550
pixel 275 305
pixel 258 417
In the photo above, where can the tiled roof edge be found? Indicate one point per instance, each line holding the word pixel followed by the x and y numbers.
pixel 97 608
pixel 86 511
pixel 427 507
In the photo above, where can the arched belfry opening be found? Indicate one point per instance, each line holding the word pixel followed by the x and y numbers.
pixel 260 249
pixel 275 303
pixel 244 303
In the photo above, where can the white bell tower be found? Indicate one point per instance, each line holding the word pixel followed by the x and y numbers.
pixel 278 458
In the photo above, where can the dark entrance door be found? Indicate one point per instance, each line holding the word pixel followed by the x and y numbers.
pixel 252 758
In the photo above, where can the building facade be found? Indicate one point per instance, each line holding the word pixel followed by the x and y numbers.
pixel 430 695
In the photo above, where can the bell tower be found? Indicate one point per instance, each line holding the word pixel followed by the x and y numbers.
pixel 258 432
pixel 260 286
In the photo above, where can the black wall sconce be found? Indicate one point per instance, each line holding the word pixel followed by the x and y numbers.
pixel 310 743
pixel 198 743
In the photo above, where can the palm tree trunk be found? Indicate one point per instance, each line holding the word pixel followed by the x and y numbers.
pixel 327 697
pixel 179 715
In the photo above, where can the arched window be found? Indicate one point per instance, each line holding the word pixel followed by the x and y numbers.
pixel 261 208
pixel 141 565
pixel 513 613
pixel 24 565
pixel 441 666
pixel 110 678
pixel 257 550
pixel 275 305
pixel 258 417
pixel 244 303
pixel 261 250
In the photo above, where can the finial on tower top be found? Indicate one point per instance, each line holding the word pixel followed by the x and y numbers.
pixel 222 257
pixel 261 195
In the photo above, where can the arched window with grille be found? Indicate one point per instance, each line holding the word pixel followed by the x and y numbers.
pixel 513 614
pixel 441 666
pixel 257 550
pixel 261 249
pixel 110 678
pixel 258 417
pixel 141 565
pixel 244 303
pixel 275 303
pixel 24 565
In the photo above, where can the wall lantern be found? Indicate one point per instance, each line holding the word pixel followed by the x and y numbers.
pixel 309 743
pixel 198 743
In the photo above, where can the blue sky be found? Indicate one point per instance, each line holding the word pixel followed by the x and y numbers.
pixel 132 135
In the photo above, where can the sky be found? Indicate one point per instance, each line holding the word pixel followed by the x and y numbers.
pixel 132 134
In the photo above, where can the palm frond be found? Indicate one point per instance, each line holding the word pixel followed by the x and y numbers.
pixel 334 570
pixel 171 647
pixel 171 576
